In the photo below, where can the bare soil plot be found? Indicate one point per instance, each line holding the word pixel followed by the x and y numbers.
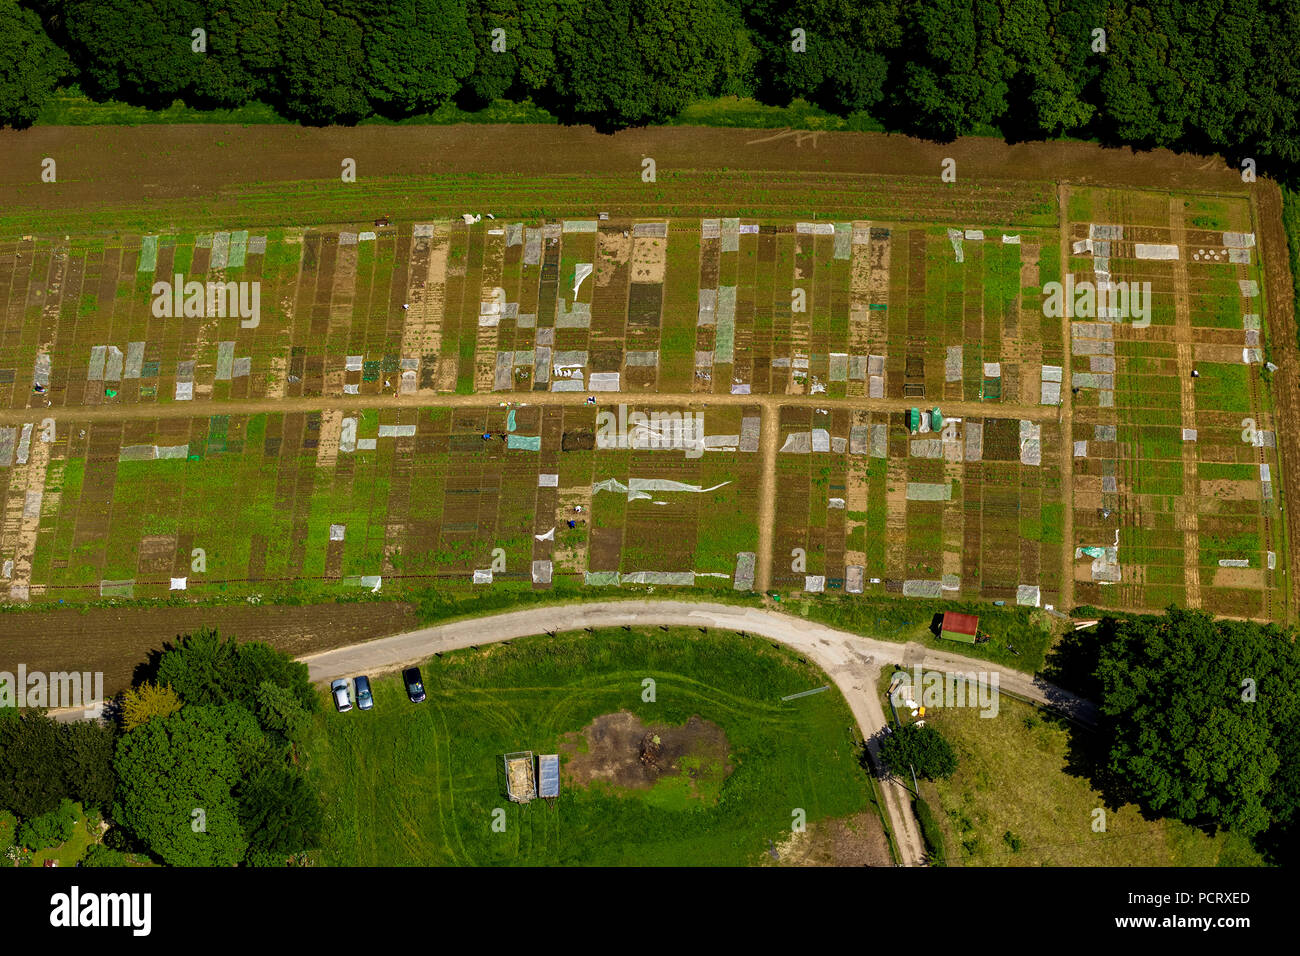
pixel 620 751
pixel 125 636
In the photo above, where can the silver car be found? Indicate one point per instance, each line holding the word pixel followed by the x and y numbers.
pixel 339 688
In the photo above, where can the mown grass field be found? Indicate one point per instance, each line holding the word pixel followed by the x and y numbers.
pixel 408 784
pixel 1016 801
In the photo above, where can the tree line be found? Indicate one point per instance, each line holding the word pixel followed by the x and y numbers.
pixel 1204 75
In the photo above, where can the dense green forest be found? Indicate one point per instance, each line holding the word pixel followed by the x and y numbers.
pixel 1200 717
pixel 1204 75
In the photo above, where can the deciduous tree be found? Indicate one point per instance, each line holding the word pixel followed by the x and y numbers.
pixel 177 777
pixel 31 66
pixel 149 700
pixel 922 748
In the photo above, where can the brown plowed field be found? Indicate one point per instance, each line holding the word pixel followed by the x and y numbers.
pixel 105 165
pixel 115 640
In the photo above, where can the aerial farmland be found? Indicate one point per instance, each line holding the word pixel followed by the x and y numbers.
pixel 697 433
pixel 474 402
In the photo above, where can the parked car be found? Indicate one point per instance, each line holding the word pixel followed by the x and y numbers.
pixel 414 684
pixel 364 700
pixel 339 689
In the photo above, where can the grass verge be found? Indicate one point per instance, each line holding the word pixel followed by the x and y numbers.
pixel 422 784
pixel 1021 796
pixel 1019 637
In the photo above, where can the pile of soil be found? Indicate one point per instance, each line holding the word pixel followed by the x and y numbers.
pixel 623 751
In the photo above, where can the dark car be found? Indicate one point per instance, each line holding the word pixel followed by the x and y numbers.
pixel 364 700
pixel 414 684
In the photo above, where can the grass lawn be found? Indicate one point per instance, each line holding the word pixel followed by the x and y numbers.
pixel 1019 636
pixel 408 784
pixel 1014 802
pixel 71 850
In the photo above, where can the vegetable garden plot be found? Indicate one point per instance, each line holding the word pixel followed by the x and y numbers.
pixel 691 304
pixel 412 497
pixel 456 303
pixel 919 518
pixel 1180 500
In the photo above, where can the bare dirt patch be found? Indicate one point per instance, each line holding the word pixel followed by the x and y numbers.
pixel 1230 489
pixel 331 431
pixel 614 249
pixel 649 259
pixel 623 752
pixel 1239 578
pixel 582 439
pixel 857 840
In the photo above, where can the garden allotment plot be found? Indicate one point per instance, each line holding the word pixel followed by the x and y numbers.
pixel 950 319
pixel 1176 493
pixel 723 306
pixel 326 435
pixel 327 501
pixel 973 510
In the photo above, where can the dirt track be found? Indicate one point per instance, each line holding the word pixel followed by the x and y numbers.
pixel 1285 384
pixel 100 166
pixel 769 403
pixel 1067 416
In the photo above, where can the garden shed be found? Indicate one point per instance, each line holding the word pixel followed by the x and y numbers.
pixel 959 627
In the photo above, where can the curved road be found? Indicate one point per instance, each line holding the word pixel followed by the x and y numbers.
pixel 852 661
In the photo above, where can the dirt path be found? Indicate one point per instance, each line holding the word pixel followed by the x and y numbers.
pixel 290 404
pixel 767 447
pixel 1266 210
pixel 1067 416
pixel 1186 505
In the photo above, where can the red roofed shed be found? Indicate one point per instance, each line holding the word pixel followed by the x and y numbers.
pixel 959 627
